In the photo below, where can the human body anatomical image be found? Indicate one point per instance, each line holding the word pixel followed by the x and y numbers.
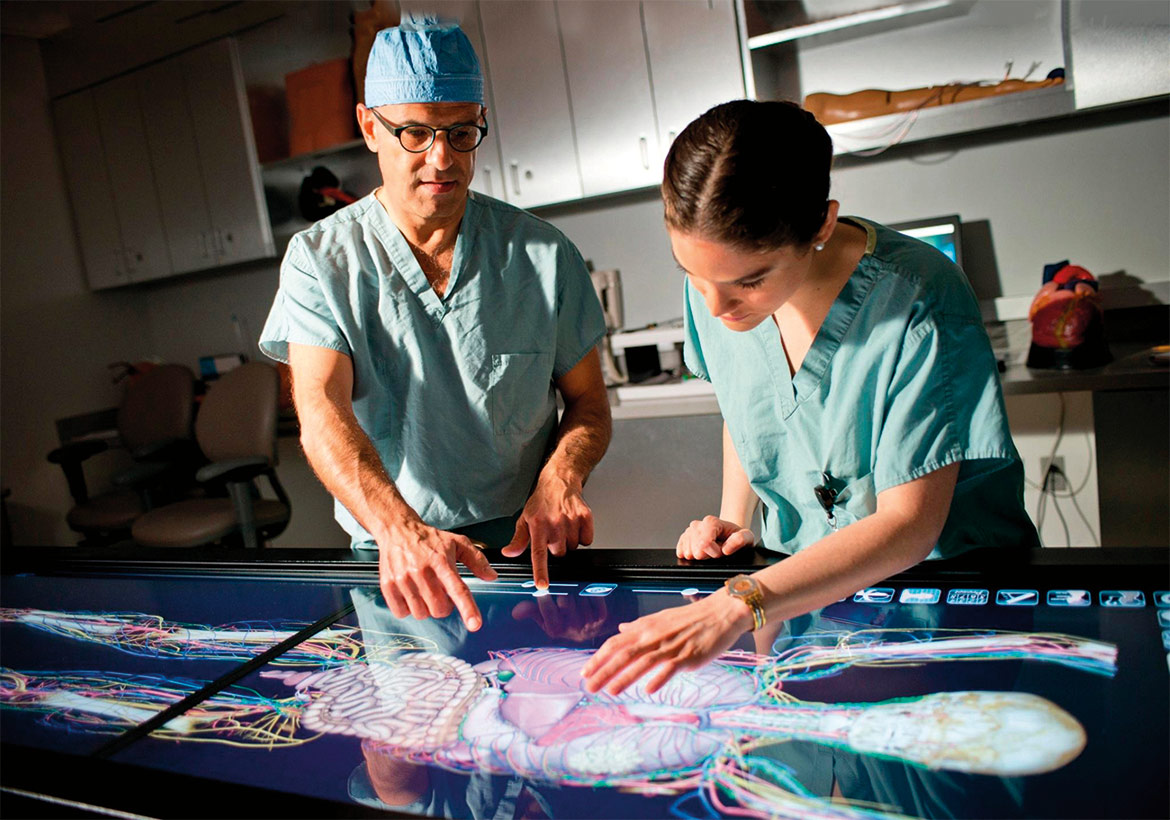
pixel 524 712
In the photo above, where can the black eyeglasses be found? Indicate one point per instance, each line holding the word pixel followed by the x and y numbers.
pixel 417 138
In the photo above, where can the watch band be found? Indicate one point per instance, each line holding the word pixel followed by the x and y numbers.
pixel 746 589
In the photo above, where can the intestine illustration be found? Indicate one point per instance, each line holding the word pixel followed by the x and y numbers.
pixel 525 712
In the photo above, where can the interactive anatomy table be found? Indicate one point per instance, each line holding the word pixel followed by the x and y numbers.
pixel 1029 684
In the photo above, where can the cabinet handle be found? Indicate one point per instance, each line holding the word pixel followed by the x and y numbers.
pixel 204 250
pixel 516 177
pixel 218 234
pixel 644 147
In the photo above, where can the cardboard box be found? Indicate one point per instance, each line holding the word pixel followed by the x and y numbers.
pixel 320 106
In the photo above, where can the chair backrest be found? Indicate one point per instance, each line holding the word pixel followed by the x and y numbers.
pixel 159 406
pixel 238 416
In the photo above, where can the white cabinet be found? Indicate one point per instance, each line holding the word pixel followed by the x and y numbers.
pixel 533 119
pixel 120 121
pixel 695 60
pixel 488 177
pixel 103 145
pixel 162 170
pixel 170 133
pixel 590 93
pixel 90 188
pixel 227 154
pixel 1120 50
pixel 609 87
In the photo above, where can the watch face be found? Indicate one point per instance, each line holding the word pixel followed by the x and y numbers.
pixel 741 585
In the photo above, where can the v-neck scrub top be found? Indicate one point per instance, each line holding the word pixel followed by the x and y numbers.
pixel 899 381
pixel 455 392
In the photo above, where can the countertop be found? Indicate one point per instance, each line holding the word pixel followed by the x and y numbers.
pixel 1129 370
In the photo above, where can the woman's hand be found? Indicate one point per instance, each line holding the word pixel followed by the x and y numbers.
pixel 713 538
pixel 672 639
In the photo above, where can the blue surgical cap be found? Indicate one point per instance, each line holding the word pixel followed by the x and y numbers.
pixel 423 60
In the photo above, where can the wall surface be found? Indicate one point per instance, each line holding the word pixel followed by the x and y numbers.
pixel 58 337
pixel 1094 190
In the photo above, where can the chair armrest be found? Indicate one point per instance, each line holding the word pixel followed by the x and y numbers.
pixel 142 473
pixel 236 469
pixel 77 451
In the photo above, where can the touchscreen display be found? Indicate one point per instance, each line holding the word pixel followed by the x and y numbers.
pixel 925 701
pixel 84 659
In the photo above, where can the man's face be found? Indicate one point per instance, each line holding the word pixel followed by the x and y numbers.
pixel 432 184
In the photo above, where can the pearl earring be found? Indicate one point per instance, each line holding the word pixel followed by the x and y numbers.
pixel 820 246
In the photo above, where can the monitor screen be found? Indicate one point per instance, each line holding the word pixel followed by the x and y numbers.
pixel 962 697
pixel 941 232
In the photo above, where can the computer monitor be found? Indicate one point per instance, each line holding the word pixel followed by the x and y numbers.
pixel 941 231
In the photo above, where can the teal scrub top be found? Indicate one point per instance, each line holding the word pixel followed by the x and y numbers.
pixel 899 381
pixel 455 392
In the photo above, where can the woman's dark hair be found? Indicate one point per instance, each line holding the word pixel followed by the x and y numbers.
pixel 754 175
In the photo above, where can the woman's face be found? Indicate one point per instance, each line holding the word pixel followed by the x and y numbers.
pixel 741 288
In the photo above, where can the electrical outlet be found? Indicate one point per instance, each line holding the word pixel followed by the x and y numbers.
pixel 1057 482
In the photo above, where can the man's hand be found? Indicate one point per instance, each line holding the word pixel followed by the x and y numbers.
pixel 713 538
pixel 556 519
pixel 416 571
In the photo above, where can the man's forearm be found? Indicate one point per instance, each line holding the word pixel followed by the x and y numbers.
pixel 582 438
pixel 346 462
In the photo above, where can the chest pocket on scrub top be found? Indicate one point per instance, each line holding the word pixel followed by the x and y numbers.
pixel 519 392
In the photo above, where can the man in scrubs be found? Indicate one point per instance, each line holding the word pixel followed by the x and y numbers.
pixel 426 328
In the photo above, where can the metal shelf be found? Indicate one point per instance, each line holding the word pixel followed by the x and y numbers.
pixel 861 23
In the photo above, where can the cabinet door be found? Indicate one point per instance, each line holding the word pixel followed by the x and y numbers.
pixel 90 191
pixel 1120 51
pixel 609 88
pixel 695 60
pixel 532 101
pixel 174 156
pixel 144 243
pixel 227 153
pixel 488 177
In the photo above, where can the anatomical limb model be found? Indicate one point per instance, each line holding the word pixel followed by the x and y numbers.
pixel 998 733
pixel 110 703
pixel 152 636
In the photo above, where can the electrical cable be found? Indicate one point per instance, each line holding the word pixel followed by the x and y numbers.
pixel 1044 480
pixel 1085 520
pixel 1056 471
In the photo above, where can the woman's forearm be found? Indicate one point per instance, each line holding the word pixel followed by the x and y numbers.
pixel 899 535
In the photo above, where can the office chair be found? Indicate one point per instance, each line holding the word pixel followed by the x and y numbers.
pixel 154 425
pixel 236 429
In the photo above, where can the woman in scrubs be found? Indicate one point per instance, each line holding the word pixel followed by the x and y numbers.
pixel 860 395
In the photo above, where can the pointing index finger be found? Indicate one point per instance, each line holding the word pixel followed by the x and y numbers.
pixel 539 551
pixel 461 595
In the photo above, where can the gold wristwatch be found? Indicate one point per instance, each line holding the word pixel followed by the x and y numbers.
pixel 745 588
